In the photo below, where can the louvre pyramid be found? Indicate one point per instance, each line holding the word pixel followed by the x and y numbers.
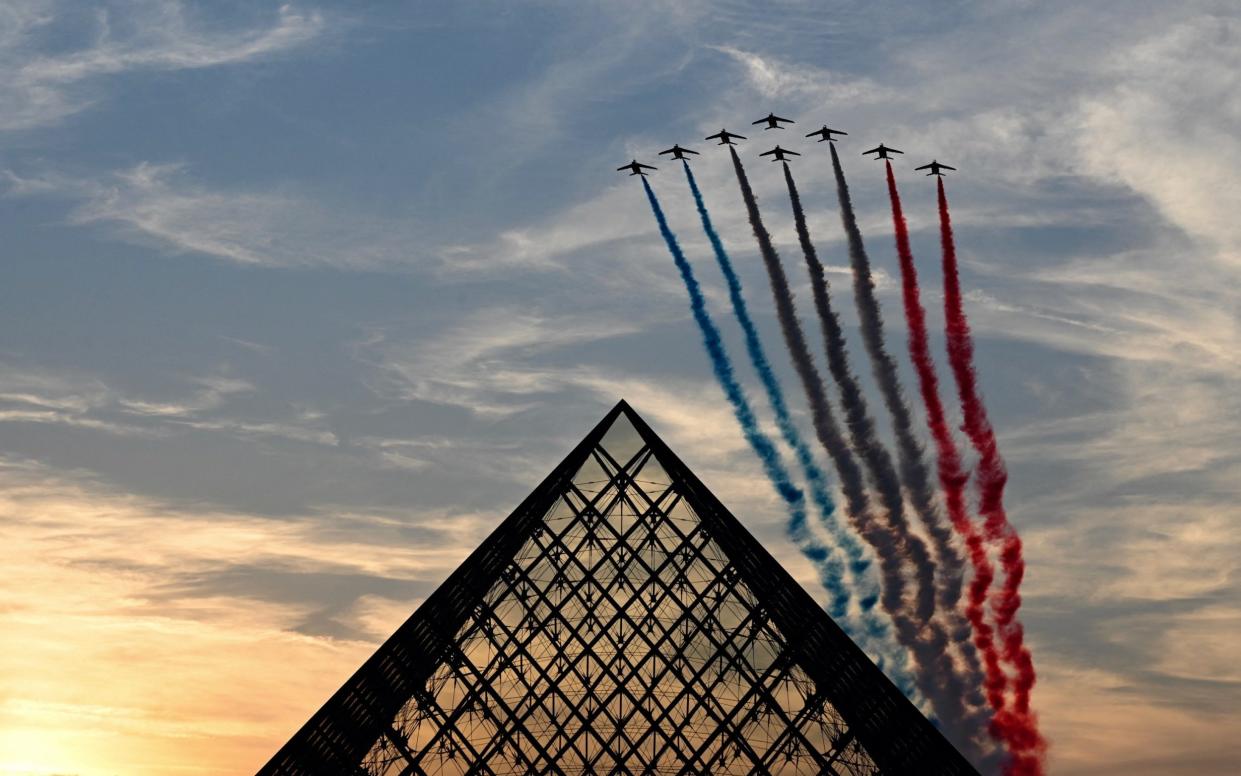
pixel 620 621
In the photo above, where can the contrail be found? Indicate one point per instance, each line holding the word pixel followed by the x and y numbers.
pixel 775 393
pixel 913 467
pixel 1020 726
pixel 887 546
pixel 951 477
pixel 912 464
pixel 948 688
pixel 862 430
pixel 830 569
pixel 950 561
pixel 788 429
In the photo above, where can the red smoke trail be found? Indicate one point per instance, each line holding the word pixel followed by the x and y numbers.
pixel 951 476
pixel 1018 726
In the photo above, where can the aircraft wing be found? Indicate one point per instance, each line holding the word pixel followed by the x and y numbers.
pixel 876 150
pixel 790 121
pixel 946 167
pixel 925 166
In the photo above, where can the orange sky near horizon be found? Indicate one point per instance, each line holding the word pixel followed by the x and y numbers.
pixel 113 678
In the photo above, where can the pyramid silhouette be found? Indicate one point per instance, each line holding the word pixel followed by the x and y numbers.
pixel 619 621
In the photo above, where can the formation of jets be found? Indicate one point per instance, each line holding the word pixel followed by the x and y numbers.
pixel 779 154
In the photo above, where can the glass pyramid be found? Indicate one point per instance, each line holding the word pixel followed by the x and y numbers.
pixel 620 621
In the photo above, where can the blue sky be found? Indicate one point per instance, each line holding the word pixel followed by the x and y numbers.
pixel 299 300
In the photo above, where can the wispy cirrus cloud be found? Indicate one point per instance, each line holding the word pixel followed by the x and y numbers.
pixel 1165 125
pixel 116 593
pixel 484 363
pixel 66 398
pixel 163 206
pixel 779 80
pixel 40 88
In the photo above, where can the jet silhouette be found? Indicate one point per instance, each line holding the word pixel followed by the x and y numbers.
pixel 635 167
pixel 725 137
pixel 778 154
pixel 882 151
pixel 772 121
pixel 935 168
pixel 827 133
pixel 678 152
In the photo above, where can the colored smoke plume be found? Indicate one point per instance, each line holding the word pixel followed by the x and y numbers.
pixel 939 676
pixel 871 632
pixel 886 546
pixel 1018 725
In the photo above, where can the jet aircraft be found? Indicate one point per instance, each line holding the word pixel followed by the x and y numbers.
pixel 678 152
pixel 935 168
pixel 635 167
pixel 827 133
pixel 882 151
pixel 725 137
pixel 772 121
pixel 779 154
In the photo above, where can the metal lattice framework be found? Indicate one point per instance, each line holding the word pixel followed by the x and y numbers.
pixel 620 621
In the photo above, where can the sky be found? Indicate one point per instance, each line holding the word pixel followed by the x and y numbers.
pixel 299 301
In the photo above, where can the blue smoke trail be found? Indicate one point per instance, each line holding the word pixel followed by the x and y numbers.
pixel 859 563
pixel 879 637
pixel 767 453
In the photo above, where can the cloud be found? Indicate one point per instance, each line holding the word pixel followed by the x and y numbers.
pixel 1166 126
pixel 40 89
pixel 1104 715
pixel 609 217
pixel 212 392
pixel 67 398
pixel 162 206
pixel 775 79
pixel 498 364
pixel 141 619
pixel 485 362
pixel 49 389
pixel 61 398
pixel 1202 646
